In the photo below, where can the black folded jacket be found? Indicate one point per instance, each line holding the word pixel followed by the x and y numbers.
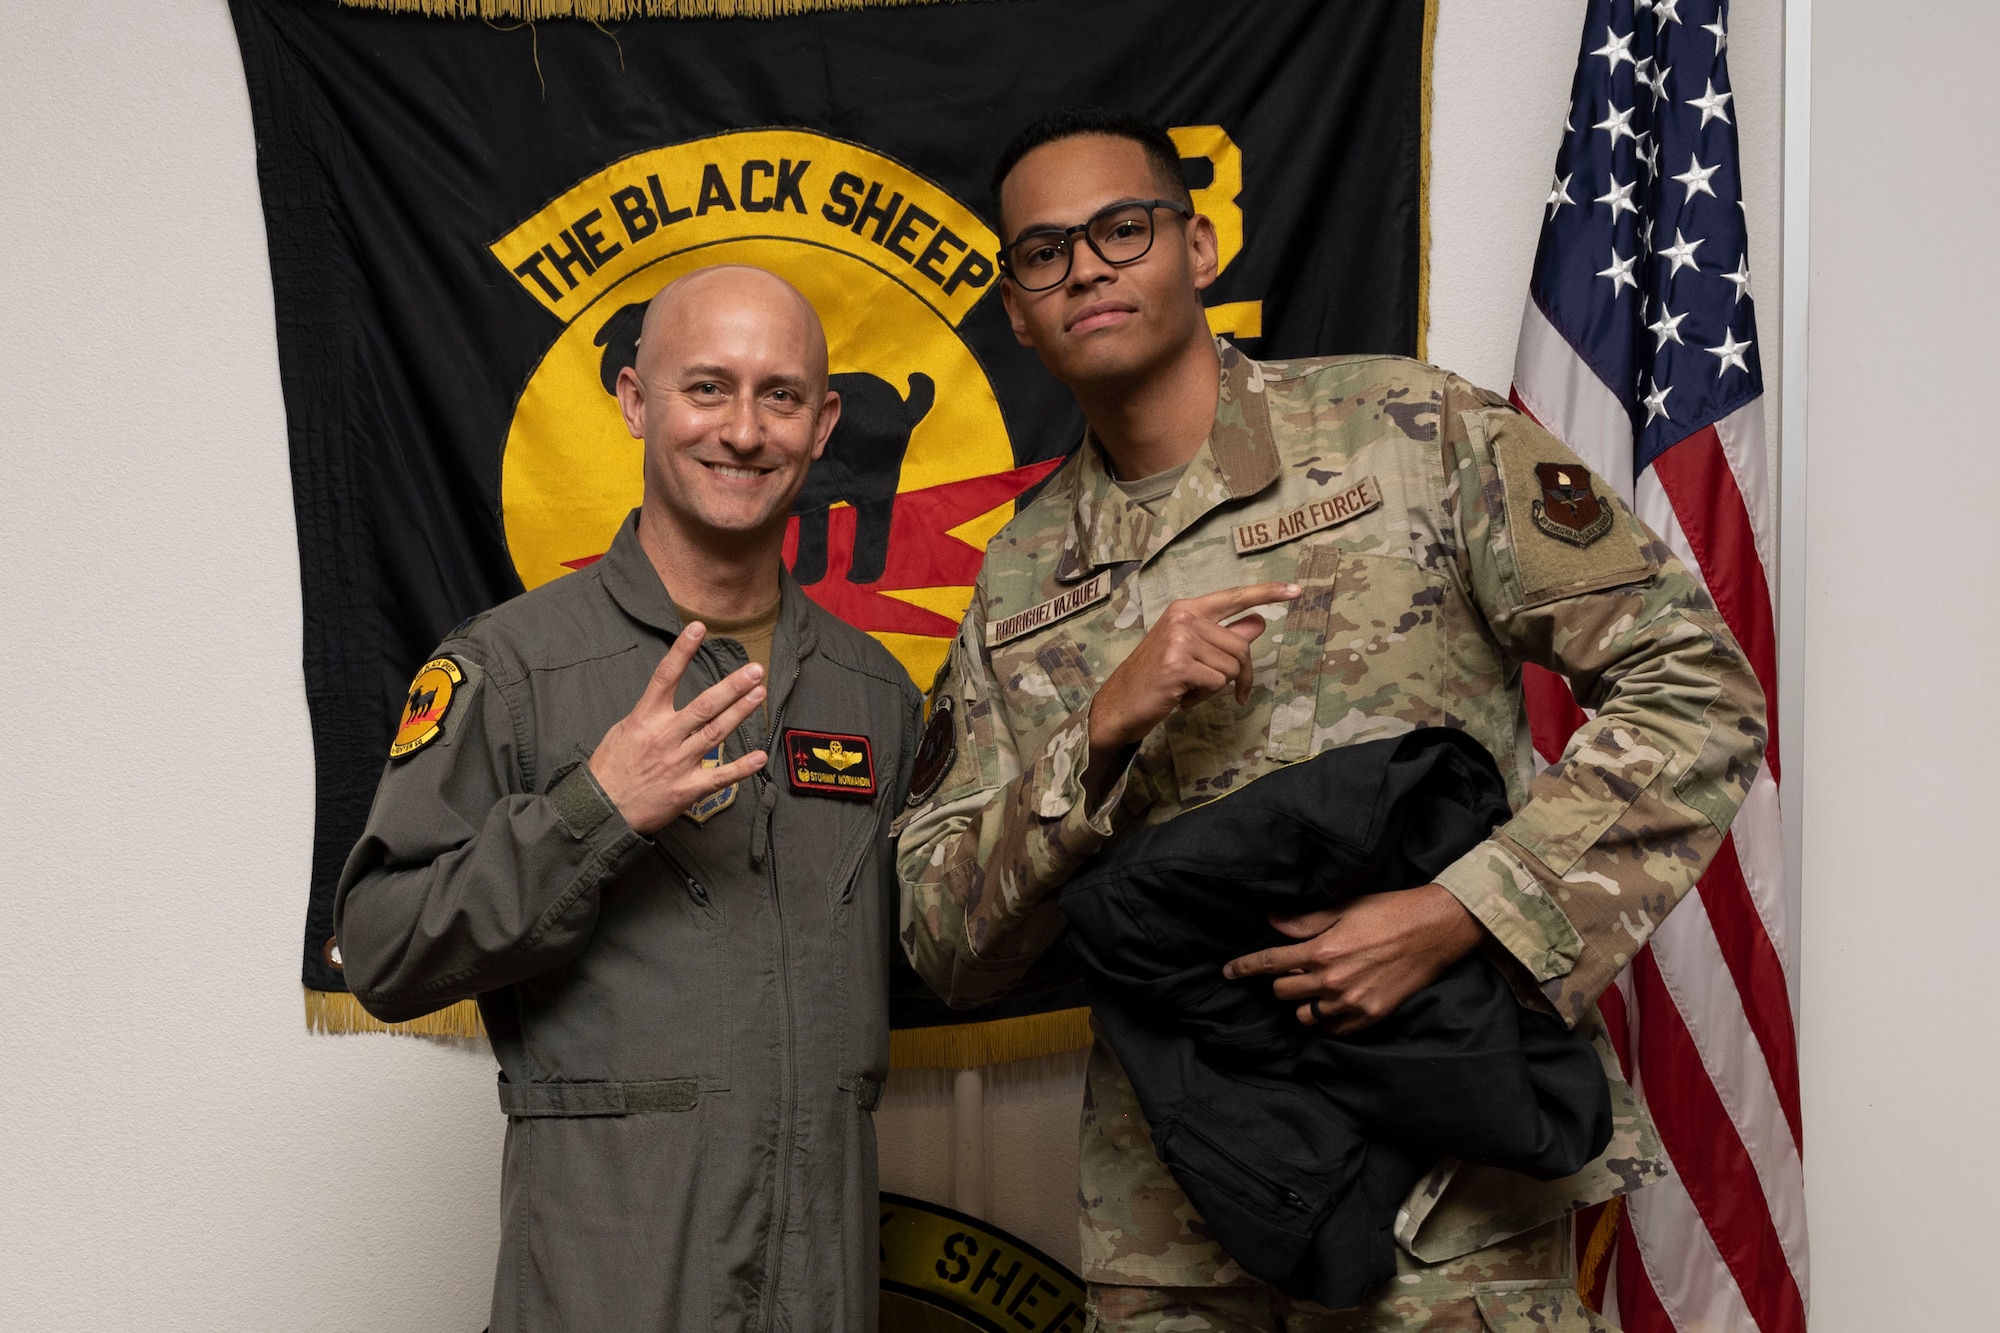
pixel 1297 1146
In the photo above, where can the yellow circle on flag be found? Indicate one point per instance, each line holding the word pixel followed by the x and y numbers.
pixel 903 572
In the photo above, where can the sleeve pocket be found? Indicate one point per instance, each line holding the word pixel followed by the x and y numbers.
pixel 1572 805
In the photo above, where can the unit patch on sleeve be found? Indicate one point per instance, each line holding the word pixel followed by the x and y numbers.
pixel 1088 593
pixel 424 706
pixel 1569 509
pixel 829 763
pixel 936 752
pixel 1261 534
pixel 715 802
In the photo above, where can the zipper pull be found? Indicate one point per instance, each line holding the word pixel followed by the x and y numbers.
pixel 696 891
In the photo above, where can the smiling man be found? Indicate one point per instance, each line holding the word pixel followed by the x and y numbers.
pixel 680 948
pixel 1245 564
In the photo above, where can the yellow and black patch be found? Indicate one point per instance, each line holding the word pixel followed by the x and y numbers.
pixel 424 707
pixel 830 763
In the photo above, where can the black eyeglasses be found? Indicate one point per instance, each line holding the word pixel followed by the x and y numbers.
pixel 1119 234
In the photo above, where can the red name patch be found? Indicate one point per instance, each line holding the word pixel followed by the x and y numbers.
pixel 829 763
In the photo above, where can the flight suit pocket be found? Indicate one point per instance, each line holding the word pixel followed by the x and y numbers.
pixel 1301 645
pixel 693 928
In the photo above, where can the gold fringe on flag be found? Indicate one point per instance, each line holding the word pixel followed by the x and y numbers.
pixel 973 1045
pixel 602 11
pixel 337 1011
pixel 1602 1236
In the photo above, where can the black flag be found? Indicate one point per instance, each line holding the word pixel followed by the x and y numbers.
pixel 465 217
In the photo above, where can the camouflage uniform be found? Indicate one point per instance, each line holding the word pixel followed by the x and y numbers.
pixel 1441 540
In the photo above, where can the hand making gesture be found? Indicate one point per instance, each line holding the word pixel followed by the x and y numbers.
pixel 649 762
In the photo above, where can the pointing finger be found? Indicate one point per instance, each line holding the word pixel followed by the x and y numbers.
pixel 1234 601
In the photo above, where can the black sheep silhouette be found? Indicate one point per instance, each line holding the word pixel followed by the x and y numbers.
pixel 862 463
pixel 421 701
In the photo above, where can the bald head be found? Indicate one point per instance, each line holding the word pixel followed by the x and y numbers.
pixel 729 392
pixel 739 295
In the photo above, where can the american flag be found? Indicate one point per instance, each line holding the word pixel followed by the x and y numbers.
pixel 1639 350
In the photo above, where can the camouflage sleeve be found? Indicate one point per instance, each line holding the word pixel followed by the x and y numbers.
pixel 979 853
pixel 1616 834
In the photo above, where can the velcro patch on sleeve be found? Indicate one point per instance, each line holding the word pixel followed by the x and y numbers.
pixel 1571 533
pixel 828 763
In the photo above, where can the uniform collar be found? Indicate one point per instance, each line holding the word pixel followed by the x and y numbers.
pixel 629 576
pixel 1238 459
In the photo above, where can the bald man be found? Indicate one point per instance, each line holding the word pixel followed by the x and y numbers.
pixel 640 814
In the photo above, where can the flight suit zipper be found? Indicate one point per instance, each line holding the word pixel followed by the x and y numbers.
pixel 788 1083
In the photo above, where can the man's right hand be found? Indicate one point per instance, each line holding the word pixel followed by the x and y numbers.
pixel 649 763
pixel 1188 655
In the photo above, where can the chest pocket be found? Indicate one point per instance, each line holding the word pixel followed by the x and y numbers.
pixel 1044 678
pixel 1385 650
pixel 1301 652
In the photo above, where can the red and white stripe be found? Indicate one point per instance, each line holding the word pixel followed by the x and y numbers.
pixel 1704 1017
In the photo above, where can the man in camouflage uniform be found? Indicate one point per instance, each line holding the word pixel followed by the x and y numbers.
pixel 1244 564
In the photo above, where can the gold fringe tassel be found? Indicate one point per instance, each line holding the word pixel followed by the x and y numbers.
pixel 973 1045
pixel 1424 184
pixel 1594 1254
pixel 602 11
pixel 337 1011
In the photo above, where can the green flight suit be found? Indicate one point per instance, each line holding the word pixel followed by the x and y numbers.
pixel 692 1029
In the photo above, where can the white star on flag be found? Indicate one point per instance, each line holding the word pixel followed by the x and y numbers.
pixel 1618 196
pixel 1666 11
pixel 1681 252
pixel 1721 37
pixel 1559 194
pixel 1731 353
pixel 1695 178
pixel 1616 122
pixel 1667 328
pixel 1741 277
pixel 1620 272
pixel 1656 401
pixel 1615 49
pixel 1712 105
pixel 1657 81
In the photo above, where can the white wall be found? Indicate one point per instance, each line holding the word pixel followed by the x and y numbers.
pixel 1902 566
pixel 179 1154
